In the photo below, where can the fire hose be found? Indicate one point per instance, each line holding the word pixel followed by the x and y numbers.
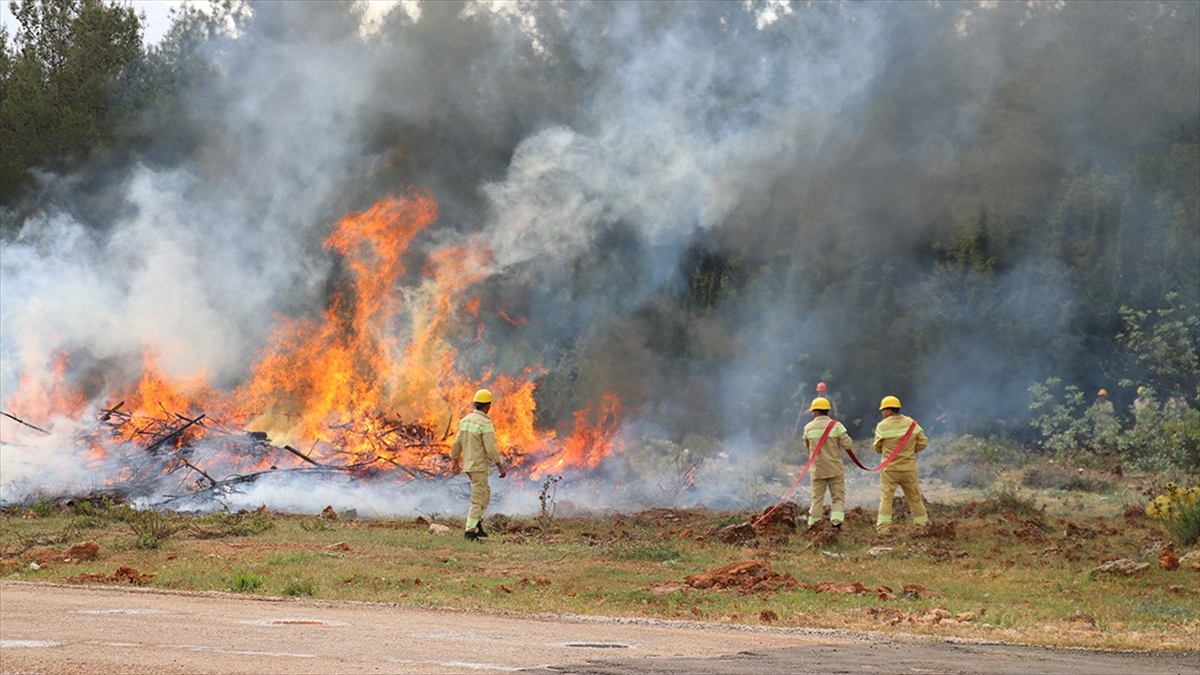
pixel 903 440
pixel 817 451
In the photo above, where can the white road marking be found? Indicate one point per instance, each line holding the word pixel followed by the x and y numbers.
pixel 116 611
pixel 30 643
pixel 239 652
pixel 295 621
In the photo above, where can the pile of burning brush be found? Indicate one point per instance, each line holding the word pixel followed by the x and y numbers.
pixel 197 457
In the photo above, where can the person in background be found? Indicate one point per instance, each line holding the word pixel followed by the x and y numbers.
pixel 1144 407
pixel 827 472
pixel 1104 421
pixel 474 451
pixel 891 431
pixel 802 419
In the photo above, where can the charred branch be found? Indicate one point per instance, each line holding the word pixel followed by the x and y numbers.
pixel 18 420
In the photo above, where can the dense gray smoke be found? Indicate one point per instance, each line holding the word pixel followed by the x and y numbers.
pixel 702 207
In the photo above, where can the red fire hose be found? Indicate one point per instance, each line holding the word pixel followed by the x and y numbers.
pixel 892 456
pixel 817 451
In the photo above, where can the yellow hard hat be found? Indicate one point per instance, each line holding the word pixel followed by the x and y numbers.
pixel 1102 392
pixel 889 402
pixel 819 403
pixel 483 396
pixel 1141 390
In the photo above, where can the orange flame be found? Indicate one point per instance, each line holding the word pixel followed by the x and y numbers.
pixel 339 384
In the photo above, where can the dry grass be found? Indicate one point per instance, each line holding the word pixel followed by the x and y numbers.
pixel 998 567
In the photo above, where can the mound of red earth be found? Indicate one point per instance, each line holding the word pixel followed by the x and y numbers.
pixel 754 576
pixel 123 575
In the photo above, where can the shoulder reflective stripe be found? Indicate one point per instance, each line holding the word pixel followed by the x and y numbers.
pixel 817 433
pixel 895 432
pixel 476 428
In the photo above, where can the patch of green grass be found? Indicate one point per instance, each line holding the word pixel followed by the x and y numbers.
pixel 219 525
pixel 1061 478
pixel 243 583
pixel 297 587
pixel 1021 573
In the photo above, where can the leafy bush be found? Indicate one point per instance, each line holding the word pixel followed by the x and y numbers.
pixel 1058 415
pixel 1185 526
pixel 1180 509
pixel 43 507
pixel 247 582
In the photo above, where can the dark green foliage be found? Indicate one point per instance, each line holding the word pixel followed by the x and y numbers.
pixel 57 74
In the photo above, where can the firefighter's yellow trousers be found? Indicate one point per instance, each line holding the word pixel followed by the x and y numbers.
pixel 481 496
pixel 906 481
pixel 837 497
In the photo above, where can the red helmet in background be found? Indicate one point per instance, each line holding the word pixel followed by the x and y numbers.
pixel 821 386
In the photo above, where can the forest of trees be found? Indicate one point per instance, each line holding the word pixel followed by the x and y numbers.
pixel 1000 216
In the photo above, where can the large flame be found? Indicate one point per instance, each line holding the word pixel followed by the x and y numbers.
pixel 381 358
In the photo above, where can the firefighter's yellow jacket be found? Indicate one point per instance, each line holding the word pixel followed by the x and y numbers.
pixel 829 462
pixel 888 434
pixel 475 443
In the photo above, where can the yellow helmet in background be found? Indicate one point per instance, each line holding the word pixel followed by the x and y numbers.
pixel 483 396
pixel 889 402
pixel 1102 392
pixel 819 403
pixel 1141 390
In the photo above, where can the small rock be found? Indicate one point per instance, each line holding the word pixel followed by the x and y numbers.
pixel 1123 567
pixel 831 554
pixel 1167 560
pixel 1191 559
pixel 437 528
pixel 879 550
pixel 34 566
pixel 328 513
pixel 339 546
pixel 767 616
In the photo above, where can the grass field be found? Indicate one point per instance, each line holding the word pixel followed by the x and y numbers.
pixel 1005 564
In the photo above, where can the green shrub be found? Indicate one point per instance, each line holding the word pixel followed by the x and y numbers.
pixel 1185 525
pixel 43 507
pixel 231 525
pixel 1009 499
pixel 151 527
pixel 298 587
pixel 243 583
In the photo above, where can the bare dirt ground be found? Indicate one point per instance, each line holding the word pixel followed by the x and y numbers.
pixel 52 629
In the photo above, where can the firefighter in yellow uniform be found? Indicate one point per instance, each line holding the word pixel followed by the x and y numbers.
pixel 827 472
pixel 902 471
pixel 474 452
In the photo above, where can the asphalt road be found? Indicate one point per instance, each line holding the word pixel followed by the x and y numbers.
pixel 74 629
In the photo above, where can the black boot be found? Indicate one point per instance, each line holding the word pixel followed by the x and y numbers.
pixel 471 535
pixel 479 530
